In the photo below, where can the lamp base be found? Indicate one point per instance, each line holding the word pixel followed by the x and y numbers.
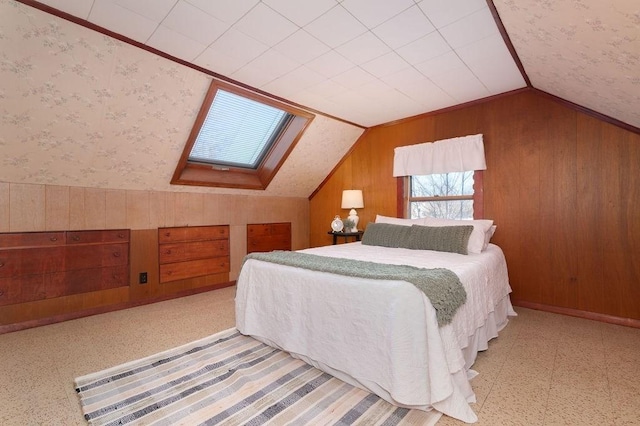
pixel 353 216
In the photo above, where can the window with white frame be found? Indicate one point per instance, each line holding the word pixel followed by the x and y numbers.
pixel 441 195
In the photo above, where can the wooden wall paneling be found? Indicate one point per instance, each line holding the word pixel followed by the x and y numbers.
pixel 562 187
pixel 502 186
pixel 630 221
pixel 4 207
pixel 591 288
pixel 56 207
pixel 115 208
pixel 76 208
pixel 561 128
pixel 27 207
pixel 144 258
pixel 157 209
pixel 138 209
pixel 325 205
pixel 621 215
pixel 94 208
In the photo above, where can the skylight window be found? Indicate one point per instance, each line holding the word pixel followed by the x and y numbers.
pixel 237 131
pixel 239 139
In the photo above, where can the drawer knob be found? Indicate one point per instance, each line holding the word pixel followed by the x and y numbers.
pixel 53 239
pixel 1 292
pixel 168 251
pixel 167 234
pixel 120 235
pixel 1 264
pixel 169 272
pixel 116 254
pixel 76 238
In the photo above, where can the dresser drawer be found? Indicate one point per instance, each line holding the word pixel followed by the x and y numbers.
pixel 107 236
pixel 31 239
pixel 269 243
pixel 193 268
pixel 87 280
pixel 267 229
pixel 96 256
pixel 192 233
pixel 179 252
pixel 29 261
pixel 22 289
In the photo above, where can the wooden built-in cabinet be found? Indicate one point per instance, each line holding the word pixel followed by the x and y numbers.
pixel 268 236
pixel 47 265
pixel 187 252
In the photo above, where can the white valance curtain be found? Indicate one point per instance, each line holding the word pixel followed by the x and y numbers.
pixel 444 156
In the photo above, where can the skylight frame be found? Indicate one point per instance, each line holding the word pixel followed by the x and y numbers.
pixel 197 173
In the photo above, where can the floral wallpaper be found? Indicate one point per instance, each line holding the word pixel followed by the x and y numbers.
pixel 584 51
pixel 79 108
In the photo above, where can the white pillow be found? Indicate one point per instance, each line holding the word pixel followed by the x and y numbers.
pixel 488 235
pixel 399 221
pixel 477 238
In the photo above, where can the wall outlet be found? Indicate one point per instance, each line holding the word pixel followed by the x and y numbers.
pixel 143 277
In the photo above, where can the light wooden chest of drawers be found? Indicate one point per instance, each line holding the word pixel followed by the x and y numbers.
pixel 187 252
pixel 268 236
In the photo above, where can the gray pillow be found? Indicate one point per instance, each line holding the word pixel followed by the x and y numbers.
pixel 386 235
pixel 452 239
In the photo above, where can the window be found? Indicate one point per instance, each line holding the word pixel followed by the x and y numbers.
pixel 239 140
pixel 446 196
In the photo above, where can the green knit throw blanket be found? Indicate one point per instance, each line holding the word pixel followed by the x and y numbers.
pixel 441 286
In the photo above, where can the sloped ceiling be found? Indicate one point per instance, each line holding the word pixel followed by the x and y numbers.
pixel 80 108
pixel 583 51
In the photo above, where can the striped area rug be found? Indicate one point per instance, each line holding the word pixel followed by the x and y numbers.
pixel 231 379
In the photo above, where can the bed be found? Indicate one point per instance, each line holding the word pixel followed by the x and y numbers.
pixel 380 335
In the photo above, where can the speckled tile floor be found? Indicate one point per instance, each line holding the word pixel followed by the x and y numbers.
pixel 544 369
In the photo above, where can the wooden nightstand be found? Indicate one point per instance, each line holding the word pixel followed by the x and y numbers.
pixel 346 235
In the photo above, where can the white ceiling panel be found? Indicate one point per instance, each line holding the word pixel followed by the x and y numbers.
pixel 469 29
pixel 424 48
pixel 355 77
pixel 385 65
pixel 191 22
pixel 301 47
pixel 336 27
pixel 273 64
pixel 79 8
pixel 238 45
pixel 228 11
pixel 263 24
pixel 122 21
pixel 442 13
pixel 374 12
pixel 301 16
pixel 330 64
pixel 440 64
pixel 461 84
pixel 155 10
pixel 404 28
pixel 363 48
pixel 175 44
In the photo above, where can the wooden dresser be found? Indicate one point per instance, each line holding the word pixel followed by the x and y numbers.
pixel 268 237
pixel 46 265
pixel 187 252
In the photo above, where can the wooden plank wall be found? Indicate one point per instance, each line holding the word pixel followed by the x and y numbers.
pixel 28 207
pixel 563 188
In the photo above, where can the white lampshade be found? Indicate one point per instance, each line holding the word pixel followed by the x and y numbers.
pixel 352 199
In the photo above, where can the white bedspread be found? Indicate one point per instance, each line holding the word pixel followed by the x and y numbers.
pixel 380 335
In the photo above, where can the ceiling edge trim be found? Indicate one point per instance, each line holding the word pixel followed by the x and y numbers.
pixel 84 23
pixel 507 41
pixel 587 111
pixel 453 107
